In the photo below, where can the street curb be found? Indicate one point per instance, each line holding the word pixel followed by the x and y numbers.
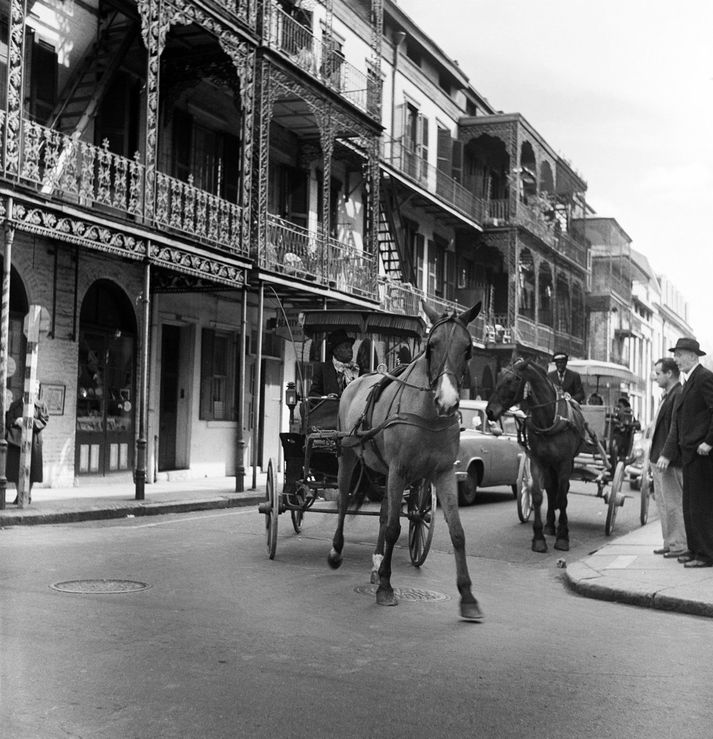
pixel 148 508
pixel 588 588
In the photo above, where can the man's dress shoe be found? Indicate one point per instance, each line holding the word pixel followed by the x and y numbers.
pixel 698 563
pixel 685 557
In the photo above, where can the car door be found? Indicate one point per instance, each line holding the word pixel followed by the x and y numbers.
pixel 505 453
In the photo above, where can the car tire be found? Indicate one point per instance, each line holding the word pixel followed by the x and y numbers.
pixel 467 491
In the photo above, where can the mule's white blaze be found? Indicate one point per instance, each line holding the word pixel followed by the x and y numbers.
pixel 447 396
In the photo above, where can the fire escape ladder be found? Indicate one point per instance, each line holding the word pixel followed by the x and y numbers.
pixel 86 89
pixel 397 266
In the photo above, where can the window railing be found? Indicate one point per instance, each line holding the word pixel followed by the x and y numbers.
pixel 323 61
pixel 445 188
pixel 71 170
pixel 294 250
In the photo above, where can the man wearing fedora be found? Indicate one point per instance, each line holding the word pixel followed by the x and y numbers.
pixel 690 439
pixel 332 376
pixel 567 379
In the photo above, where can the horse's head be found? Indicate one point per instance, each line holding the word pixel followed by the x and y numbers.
pixel 448 350
pixel 510 389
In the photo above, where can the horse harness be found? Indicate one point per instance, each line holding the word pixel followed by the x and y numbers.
pixel 363 431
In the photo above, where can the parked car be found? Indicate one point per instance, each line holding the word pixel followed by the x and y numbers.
pixel 489 452
pixel 640 458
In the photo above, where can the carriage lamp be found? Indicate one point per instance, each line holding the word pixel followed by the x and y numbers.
pixel 291 400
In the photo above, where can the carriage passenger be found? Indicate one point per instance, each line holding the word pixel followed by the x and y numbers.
pixel 332 376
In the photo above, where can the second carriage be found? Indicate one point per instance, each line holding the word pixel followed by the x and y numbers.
pixel 601 460
pixel 311 446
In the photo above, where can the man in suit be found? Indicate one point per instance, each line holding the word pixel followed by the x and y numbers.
pixel 567 379
pixel 691 439
pixel 332 376
pixel 668 483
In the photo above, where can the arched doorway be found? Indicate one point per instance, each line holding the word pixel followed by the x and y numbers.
pixel 17 347
pixel 106 398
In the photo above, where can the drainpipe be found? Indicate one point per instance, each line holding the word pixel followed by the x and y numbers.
pixel 399 38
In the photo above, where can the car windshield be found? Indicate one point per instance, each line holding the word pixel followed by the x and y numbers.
pixel 472 418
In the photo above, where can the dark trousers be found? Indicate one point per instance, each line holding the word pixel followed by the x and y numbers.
pixel 698 506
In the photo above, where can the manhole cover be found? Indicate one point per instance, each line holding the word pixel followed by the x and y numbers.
pixel 99 586
pixel 405 594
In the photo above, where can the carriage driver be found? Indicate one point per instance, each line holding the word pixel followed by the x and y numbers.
pixel 568 380
pixel 332 376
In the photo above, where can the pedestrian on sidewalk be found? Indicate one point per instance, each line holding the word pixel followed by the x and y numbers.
pixel 13 436
pixel 668 483
pixel 691 438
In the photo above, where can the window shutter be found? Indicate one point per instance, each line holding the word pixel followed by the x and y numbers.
pixel 450 276
pixel 420 263
pixel 444 150
pixel 206 410
pixel 457 168
pixel 422 150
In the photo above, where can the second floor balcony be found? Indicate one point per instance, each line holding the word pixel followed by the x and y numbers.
pixel 440 185
pixel 307 255
pixel 65 169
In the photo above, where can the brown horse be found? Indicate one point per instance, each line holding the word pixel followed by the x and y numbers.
pixel 553 432
pixel 410 432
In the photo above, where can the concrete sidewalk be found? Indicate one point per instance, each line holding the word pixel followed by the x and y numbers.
pixel 117 500
pixel 628 571
pixel 625 570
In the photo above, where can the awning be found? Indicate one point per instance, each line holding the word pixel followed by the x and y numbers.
pixel 593 368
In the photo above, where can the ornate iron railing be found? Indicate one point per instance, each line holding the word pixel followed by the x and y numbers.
pixel 323 61
pixel 71 170
pixel 444 187
pixel 403 297
pixel 294 250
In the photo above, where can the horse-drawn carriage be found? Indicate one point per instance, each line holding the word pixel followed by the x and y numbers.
pixel 312 446
pixel 401 424
pixel 565 442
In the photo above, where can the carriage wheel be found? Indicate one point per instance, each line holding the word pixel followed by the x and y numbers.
pixel 524 490
pixel 615 499
pixel 645 493
pixel 421 520
pixel 271 511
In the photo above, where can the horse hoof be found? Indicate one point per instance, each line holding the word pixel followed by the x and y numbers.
pixel 386 597
pixel 549 530
pixel 539 545
pixel 471 611
pixel 334 560
pixel 562 545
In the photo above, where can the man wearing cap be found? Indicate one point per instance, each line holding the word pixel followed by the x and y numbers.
pixel 690 439
pixel 332 376
pixel 568 380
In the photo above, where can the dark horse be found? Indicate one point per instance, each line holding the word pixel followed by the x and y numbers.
pixel 554 429
pixel 409 432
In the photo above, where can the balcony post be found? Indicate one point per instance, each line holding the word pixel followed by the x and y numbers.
pixel 141 443
pixel 9 232
pixel 15 86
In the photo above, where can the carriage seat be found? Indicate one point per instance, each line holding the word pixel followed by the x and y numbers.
pixel 319 412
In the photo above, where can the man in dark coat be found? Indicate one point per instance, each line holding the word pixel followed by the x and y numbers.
pixel 668 483
pixel 691 439
pixel 13 435
pixel 567 379
pixel 332 376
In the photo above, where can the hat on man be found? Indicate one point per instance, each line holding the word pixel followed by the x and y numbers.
pixel 340 336
pixel 689 345
pixel 559 355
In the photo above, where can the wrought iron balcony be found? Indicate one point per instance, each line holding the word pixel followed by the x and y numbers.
pixel 294 250
pixel 323 61
pixel 405 298
pixel 73 171
pixel 498 213
pixel 436 182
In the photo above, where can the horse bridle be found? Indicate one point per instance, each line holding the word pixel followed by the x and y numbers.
pixel 442 369
pixel 523 381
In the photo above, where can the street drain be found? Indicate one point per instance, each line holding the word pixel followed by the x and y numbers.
pixel 97 587
pixel 405 594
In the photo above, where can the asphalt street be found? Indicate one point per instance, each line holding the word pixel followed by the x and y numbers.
pixel 224 642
